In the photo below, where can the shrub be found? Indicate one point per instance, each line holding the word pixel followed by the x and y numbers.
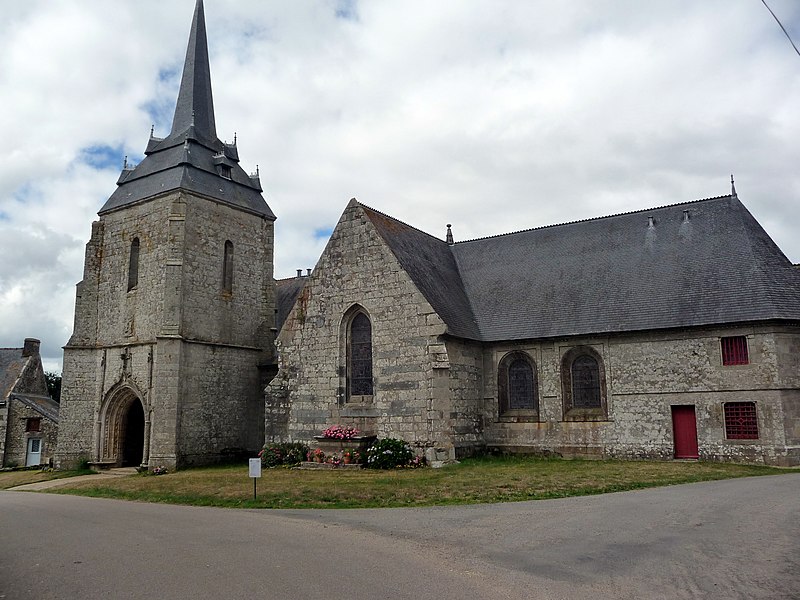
pixel 390 453
pixel 287 453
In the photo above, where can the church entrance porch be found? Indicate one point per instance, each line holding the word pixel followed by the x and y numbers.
pixel 124 429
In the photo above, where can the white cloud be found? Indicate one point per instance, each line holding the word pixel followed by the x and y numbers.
pixel 493 116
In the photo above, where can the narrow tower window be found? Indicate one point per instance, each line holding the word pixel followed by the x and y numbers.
pixel 133 265
pixel 227 268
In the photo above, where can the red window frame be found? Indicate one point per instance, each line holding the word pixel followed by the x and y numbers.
pixel 734 350
pixel 33 424
pixel 741 421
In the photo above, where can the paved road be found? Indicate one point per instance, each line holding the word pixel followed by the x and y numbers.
pixel 729 539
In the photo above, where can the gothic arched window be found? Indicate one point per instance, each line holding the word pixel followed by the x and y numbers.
pixel 584 385
pixel 227 268
pixel 359 357
pixel 133 265
pixel 585 382
pixel 517 385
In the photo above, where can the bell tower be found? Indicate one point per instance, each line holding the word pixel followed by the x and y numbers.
pixel 174 316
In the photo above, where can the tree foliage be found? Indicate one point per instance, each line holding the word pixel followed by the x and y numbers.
pixel 53 385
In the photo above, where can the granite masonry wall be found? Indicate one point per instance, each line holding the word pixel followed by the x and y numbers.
pixel 412 396
pixel 179 343
pixel 647 374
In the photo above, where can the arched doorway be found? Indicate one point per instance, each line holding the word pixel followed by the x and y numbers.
pixel 133 444
pixel 123 428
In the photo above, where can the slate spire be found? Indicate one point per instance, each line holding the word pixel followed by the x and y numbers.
pixel 195 105
pixel 191 158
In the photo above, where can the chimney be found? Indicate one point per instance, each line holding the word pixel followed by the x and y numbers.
pixel 31 347
pixel 308 272
pixel 299 272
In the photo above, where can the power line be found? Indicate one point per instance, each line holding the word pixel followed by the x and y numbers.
pixel 786 33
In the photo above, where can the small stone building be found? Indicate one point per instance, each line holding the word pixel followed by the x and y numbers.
pixel 174 318
pixel 28 416
pixel 669 332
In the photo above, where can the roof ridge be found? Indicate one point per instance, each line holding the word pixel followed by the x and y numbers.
pixel 767 289
pixel 395 219
pixel 590 219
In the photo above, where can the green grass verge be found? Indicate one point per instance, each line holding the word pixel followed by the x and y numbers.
pixel 9 479
pixel 474 481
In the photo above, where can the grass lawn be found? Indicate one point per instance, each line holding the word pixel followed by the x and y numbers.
pixel 480 480
pixel 9 479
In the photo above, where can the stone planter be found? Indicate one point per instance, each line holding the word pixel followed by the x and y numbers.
pixel 359 443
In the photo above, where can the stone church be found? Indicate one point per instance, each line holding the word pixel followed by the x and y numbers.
pixel 666 333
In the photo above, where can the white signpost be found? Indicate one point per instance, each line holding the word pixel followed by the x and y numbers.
pixel 255 473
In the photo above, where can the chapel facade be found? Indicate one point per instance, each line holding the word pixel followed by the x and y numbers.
pixel 665 333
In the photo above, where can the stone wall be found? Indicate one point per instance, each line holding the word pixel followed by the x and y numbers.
pixel 411 401
pixel 179 343
pixel 17 437
pixel 463 398
pixel 646 375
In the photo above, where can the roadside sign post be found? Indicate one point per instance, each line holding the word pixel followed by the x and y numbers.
pixel 255 473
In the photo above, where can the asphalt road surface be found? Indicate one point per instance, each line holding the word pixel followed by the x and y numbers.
pixel 729 539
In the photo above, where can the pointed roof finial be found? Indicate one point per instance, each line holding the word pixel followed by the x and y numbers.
pixel 257 172
pixel 733 188
pixel 125 162
pixel 234 138
pixel 152 129
pixel 450 241
pixel 195 102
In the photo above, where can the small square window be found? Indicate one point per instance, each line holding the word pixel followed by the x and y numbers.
pixel 734 350
pixel 225 171
pixel 741 422
pixel 33 424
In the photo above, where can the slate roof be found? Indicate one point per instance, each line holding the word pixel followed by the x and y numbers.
pixel 286 292
pixel 432 267
pixel 699 263
pixel 191 156
pixel 44 405
pixel 11 364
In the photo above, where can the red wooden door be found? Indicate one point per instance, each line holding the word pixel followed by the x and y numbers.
pixel 684 431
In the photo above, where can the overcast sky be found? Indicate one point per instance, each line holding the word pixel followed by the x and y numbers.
pixel 494 116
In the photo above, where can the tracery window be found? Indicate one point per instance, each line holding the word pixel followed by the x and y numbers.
pixel 227 268
pixel 359 357
pixel 583 384
pixel 133 265
pixel 517 385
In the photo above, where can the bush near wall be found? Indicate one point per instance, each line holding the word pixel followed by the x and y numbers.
pixel 283 454
pixel 391 453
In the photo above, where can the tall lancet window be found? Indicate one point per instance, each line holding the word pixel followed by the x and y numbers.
pixel 359 354
pixel 227 268
pixel 133 265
